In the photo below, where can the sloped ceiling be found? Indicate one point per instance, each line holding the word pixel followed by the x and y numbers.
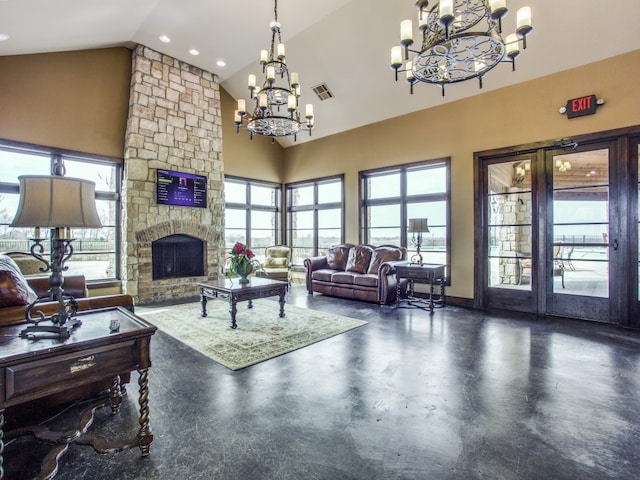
pixel 343 43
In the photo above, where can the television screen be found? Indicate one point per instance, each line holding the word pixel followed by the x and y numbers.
pixel 183 189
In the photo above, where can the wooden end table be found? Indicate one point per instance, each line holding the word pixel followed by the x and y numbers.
pixel 232 290
pixel 36 368
pixel 427 273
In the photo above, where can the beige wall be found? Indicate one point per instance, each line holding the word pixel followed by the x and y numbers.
pixel 524 113
pixel 70 100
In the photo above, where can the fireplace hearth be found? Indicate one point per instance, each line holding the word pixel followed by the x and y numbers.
pixel 177 256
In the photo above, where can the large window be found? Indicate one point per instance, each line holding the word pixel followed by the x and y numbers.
pixel 252 214
pixel 96 251
pixel 390 197
pixel 315 213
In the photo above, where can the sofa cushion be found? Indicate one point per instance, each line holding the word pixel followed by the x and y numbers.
pixel 337 256
pixel 366 280
pixel 358 260
pixel 343 277
pixel 381 255
pixel 323 275
pixel 14 289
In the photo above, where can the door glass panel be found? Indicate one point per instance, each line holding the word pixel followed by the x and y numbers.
pixel 580 258
pixel 509 242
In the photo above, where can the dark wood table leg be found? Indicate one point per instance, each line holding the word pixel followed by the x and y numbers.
pixel 115 395
pixel 1 444
pixel 250 304
pixel 145 435
pixel 431 306
pixel 203 300
pixel 281 300
pixel 233 310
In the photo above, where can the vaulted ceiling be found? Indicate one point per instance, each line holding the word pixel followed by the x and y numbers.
pixel 342 43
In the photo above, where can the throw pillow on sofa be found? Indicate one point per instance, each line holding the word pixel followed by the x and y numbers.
pixel 14 289
pixel 381 255
pixel 358 260
pixel 337 256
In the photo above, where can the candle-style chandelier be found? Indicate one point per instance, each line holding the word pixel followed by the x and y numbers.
pixel 461 40
pixel 280 90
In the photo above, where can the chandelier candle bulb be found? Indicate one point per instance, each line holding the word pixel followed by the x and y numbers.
pixel 263 100
pixel 271 73
pixel 309 110
pixel 264 57
pixel 242 106
pixel 498 8
pixel 237 118
pixel 406 32
pixel 281 51
pixel 513 46
pixel 291 103
pixel 523 24
pixel 294 79
pixel 252 81
pixel 446 12
pixel 396 57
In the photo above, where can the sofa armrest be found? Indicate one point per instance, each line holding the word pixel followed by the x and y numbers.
pixel 16 315
pixel 387 281
pixel 311 264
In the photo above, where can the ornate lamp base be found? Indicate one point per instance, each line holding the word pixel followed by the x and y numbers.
pixel 62 323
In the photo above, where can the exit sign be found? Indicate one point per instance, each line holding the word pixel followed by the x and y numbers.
pixel 577 107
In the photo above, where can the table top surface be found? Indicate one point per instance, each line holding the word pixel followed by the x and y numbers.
pixel 94 329
pixel 233 284
pixel 424 266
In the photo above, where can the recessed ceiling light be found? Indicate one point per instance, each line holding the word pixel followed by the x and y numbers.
pixel 193 51
pixel 3 37
pixel 164 38
pixel 221 63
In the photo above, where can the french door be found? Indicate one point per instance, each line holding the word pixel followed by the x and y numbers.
pixel 558 229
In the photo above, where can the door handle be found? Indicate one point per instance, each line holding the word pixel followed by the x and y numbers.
pixel 614 244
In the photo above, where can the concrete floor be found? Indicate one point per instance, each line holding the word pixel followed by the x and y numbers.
pixel 455 395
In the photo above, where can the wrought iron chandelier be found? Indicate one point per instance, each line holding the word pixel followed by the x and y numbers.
pixel 280 90
pixel 461 40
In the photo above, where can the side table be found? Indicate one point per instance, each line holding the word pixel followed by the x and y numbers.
pixel 427 273
pixel 35 368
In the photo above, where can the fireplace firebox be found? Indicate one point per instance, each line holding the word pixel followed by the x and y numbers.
pixel 177 256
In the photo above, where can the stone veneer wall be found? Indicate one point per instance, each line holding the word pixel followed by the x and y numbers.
pixel 174 123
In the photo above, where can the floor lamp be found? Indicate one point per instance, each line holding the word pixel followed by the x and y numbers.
pixel 418 226
pixel 59 204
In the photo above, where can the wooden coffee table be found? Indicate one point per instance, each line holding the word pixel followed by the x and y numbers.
pixel 232 290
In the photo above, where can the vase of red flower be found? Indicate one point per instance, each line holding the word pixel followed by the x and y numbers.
pixel 242 261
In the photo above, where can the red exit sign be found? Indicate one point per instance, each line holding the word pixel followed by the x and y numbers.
pixel 577 107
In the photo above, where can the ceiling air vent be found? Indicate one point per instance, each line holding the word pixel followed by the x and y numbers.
pixel 323 91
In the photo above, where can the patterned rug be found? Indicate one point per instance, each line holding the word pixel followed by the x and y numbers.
pixel 261 333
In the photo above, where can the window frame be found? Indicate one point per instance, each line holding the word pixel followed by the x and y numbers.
pixel 53 155
pixel 248 207
pixel 403 199
pixel 314 207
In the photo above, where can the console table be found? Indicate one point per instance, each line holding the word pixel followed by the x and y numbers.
pixel 234 291
pixel 427 273
pixel 35 368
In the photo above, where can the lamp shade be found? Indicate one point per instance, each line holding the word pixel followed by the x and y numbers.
pixel 418 225
pixel 52 201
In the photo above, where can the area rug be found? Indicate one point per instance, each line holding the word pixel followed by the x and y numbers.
pixel 261 333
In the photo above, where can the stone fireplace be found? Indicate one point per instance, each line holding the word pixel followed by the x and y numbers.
pixel 175 124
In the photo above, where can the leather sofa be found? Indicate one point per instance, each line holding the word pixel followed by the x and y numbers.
pixel 358 272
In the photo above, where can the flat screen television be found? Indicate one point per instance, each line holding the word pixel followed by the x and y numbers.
pixel 182 189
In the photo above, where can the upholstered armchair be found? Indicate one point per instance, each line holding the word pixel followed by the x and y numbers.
pixel 277 263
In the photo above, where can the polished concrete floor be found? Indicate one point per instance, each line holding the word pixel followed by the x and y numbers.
pixel 455 395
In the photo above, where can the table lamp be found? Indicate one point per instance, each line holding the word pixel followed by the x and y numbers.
pixel 417 226
pixel 58 203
